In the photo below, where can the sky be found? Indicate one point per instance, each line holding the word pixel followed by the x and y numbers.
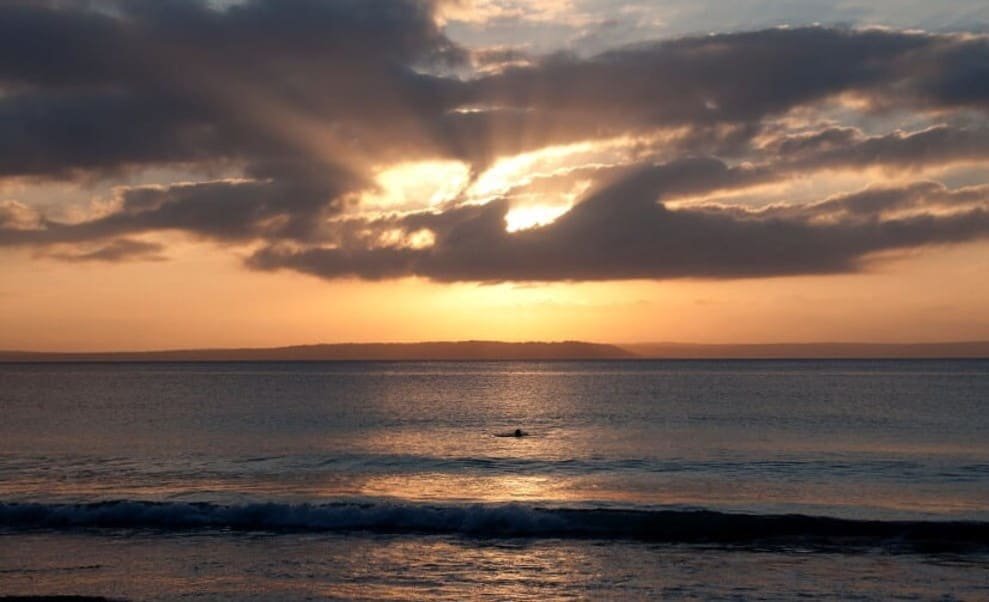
pixel 196 173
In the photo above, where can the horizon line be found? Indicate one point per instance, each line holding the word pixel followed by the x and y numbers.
pixel 491 349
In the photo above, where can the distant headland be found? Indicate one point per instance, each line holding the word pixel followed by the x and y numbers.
pixel 508 351
pixel 966 349
pixel 452 351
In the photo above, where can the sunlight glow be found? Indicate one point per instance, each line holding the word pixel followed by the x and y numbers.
pixel 520 170
pixel 510 174
pixel 533 216
pixel 417 185
pixel 398 238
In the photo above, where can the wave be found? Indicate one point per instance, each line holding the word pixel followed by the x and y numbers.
pixel 620 471
pixel 502 520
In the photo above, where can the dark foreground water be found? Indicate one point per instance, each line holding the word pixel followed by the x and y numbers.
pixel 638 480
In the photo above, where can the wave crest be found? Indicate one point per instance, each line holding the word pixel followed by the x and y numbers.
pixel 501 520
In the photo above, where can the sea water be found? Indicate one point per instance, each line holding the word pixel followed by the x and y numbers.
pixel 389 480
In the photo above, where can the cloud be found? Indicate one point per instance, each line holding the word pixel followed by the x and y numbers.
pixel 622 232
pixel 919 199
pixel 123 249
pixel 592 25
pixel 17 216
pixel 343 82
pixel 240 210
pixel 844 148
pixel 720 88
pixel 743 78
pixel 308 101
pixel 174 81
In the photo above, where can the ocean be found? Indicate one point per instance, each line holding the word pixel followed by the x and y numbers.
pixel 683 480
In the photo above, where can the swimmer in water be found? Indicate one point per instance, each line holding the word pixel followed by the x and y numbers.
pixel 515 433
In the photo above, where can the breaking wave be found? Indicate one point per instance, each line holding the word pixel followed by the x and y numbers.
pixel 502 520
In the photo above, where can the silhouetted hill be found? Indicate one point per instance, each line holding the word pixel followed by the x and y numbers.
pixel 496 350
pixel 460 350
pixel 971 349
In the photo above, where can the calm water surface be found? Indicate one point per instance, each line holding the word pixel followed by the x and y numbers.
pixel 387 480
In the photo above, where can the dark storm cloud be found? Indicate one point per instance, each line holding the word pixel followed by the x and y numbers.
pixel 834 148
pixel 54 133
pixel 225 210
pixel 839 147
pixel 918 198
pixel 100 85
pixel 139 83
pixel 307 97
pixel 745 77
pixel 721 88
pixel 621 232
pixel 115 41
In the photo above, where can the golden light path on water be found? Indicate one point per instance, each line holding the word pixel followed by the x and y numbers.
pixel 553 467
